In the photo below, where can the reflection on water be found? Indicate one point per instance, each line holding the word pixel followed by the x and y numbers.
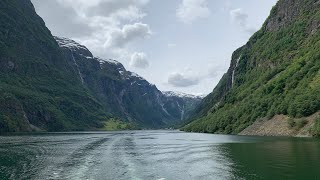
pixel 287 158
pixel 156 155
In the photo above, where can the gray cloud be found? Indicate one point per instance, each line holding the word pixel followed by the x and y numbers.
pixel 188 77
pixel 139 60
pixel 241 18
pixel 214 70
pixel 62 21
pixel 181 80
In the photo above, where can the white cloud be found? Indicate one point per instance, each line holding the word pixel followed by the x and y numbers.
pixel 139 60
pixel 191 10
pixel 101 7
pixel 120 37
pixel 172 45
pixel 239 17
pixel 128 9
pixel 106 27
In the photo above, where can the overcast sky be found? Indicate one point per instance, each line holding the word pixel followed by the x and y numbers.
pixel 179 45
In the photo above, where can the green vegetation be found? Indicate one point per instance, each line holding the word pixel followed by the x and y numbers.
pixel 316 128
pixel 115 124
pixel 278 73
pixel 37 84
pixel 301 123
pixel 297 124
pixel 291 122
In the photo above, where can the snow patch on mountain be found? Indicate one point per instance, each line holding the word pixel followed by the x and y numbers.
pixel 112 61
pixel 69 43
pixel 109 61
pixel 181 95
pixel 135 75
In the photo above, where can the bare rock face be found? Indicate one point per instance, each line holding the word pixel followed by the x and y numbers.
pixel 283 14
pixel 286 12
pixel 314 26
pixel 10 65
pixel 6 65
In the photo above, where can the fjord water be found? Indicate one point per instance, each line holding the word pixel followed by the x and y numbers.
pixel 157 155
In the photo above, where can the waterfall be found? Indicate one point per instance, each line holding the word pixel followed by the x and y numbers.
pixel 234 70
pixel 182 110
pixel 78 69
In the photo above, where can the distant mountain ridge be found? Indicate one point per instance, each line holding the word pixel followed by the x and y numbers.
pixel 182 95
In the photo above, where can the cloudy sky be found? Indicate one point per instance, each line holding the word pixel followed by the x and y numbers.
pixel 179 45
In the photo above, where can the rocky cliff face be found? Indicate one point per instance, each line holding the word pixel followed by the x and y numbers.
pixel 123 93
pixel 276 72
pixel 287 12
pixel 180 105
pixel 56 84
pixel 284 14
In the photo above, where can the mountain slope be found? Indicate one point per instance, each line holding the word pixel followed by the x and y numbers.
pixel 38 88
pixel 276 72
pixel 180 105
pixel 125 94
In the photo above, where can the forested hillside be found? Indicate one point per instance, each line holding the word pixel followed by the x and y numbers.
pixel 276 72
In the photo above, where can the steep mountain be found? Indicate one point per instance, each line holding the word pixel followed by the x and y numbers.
pixel 38 87
pixel 123 93
pixel 56 84
pixel 180 105
pixel 275 73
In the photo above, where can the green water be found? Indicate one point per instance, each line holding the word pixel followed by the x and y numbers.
pixel 159 155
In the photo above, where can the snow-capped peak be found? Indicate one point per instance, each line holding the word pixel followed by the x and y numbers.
pixel 69 43
pixel 132 74
pixel 110 61
pixel 135 75
pixel 180 94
